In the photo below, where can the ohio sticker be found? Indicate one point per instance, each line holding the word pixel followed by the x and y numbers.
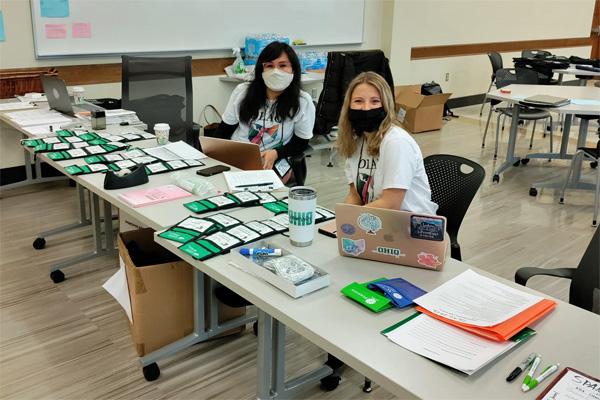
pixel 369 223
pixel 389 251
pixel 353 247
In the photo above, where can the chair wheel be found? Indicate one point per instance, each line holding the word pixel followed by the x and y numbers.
pixel 525 161
pixel 330 383
pixel 255 328
pixel 517 163
pixel 561 200
pixel 151 372
pixel 330 165
pixel 57 276
pixel 496 178
pixel 533 192
pixel 594 164
pixel 367 387
pixel 39 243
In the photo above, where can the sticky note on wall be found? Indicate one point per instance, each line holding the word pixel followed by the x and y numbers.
pixel 54 8
pixel 82 30
pixel 56 31
pixel 2 34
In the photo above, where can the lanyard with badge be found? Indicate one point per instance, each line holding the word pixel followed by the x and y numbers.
pixel 364 190
pixel 281 166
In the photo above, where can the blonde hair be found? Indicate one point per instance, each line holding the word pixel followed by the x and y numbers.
pixel 346 140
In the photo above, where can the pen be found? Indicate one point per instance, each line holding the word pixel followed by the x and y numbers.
pixel 549 370
pixel 517 371
pixel 528 378
pixel 256 184
pixel 260 252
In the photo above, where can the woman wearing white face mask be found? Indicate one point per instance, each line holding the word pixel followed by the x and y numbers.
pixel 271 110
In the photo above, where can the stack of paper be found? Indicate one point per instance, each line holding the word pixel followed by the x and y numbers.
pixel 175 151
pixel 37 117
pixel 115 117
pixel 255 181
pixel 469 321
pixel 146 197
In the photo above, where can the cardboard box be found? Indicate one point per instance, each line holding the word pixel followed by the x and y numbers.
pixel 161 292
pixel 417 112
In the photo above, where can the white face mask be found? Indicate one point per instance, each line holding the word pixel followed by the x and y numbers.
pixel 277 80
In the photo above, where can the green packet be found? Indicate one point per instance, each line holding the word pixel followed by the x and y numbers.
pixel 368 298
pixel 200 250
pixel 276 207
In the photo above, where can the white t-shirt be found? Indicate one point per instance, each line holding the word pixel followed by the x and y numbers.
pixel 399 166
pixel 265 130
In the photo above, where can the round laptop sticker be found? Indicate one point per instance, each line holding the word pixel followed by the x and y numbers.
pixel 55 93
pixel 348 229
pixel 369 223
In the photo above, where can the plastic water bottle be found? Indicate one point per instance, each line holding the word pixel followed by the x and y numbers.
pixel 194 184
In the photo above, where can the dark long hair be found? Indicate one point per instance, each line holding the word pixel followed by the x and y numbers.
pixel 288 102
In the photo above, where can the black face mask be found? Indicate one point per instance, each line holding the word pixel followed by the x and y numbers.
pixel 366 120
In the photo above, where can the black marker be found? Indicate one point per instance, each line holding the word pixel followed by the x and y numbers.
pixel 517 371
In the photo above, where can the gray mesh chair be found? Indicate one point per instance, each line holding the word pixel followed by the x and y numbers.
pixel 496 61
pixel 159 89
pixel 505 77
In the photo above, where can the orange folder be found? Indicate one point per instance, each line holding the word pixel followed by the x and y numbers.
pixel 504 330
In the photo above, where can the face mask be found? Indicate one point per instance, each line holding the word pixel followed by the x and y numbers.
pixel 366 120
pixel 277 80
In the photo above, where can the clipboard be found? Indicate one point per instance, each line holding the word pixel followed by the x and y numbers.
pixel 553 390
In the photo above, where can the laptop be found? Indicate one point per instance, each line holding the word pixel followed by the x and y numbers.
pixel 242 155
pixel 396 237
pixel 58 97
pixel 543 100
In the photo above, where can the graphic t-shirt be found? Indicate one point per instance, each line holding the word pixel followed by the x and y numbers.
pixel 265 130
pixel 399 166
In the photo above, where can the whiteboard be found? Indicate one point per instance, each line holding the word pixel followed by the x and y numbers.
pixel 94 27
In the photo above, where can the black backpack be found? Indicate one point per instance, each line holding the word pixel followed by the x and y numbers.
pixel 429 88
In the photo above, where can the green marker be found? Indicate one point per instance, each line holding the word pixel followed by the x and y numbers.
pixel 529 377
pixel 545 373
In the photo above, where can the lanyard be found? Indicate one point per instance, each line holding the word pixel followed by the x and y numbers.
pixel 262 143
pixel 364 193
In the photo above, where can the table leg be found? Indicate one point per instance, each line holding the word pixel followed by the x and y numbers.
pixel 271 363
pixel 575 182
pixel 564 144
pixel 511 159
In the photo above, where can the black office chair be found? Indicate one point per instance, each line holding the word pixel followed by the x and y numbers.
pixel 496 61
pixel 159 89
pixel 584 291
pixel 454 181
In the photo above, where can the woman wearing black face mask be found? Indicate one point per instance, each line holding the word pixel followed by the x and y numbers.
pixel 384 164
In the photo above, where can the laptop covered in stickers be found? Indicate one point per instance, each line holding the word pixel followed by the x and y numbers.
pixel 397 237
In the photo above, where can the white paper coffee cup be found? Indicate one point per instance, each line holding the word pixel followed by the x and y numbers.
pixel 161 131
pixel 78 92
pixel 302 202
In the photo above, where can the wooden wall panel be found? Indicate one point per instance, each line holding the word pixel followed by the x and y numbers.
pixel 110 73
pixel 418 53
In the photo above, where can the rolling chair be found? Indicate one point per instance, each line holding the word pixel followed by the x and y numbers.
pixel 454 181
pixel 584 291
pixel 496 61
pixel 505 77
pixel 159 89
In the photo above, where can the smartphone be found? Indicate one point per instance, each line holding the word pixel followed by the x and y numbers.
pixel 329 229
pixel 210 171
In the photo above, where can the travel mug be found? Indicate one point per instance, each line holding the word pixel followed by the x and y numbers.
pixel 302 202
pixel 161 131
pixel 78 92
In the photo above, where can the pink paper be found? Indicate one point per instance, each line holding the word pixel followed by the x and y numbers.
pixel 56 31
pixel 145 197
pixel 82 30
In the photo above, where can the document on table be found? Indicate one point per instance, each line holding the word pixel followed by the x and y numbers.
pixel 474 299
pixel 256 181
pixel 15 105
pixel 175 151
pixel 42 129
pixel 37 117
pixel 447 344
pixel 572 385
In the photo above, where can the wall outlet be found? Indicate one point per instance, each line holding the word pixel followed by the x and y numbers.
pixel 447 76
